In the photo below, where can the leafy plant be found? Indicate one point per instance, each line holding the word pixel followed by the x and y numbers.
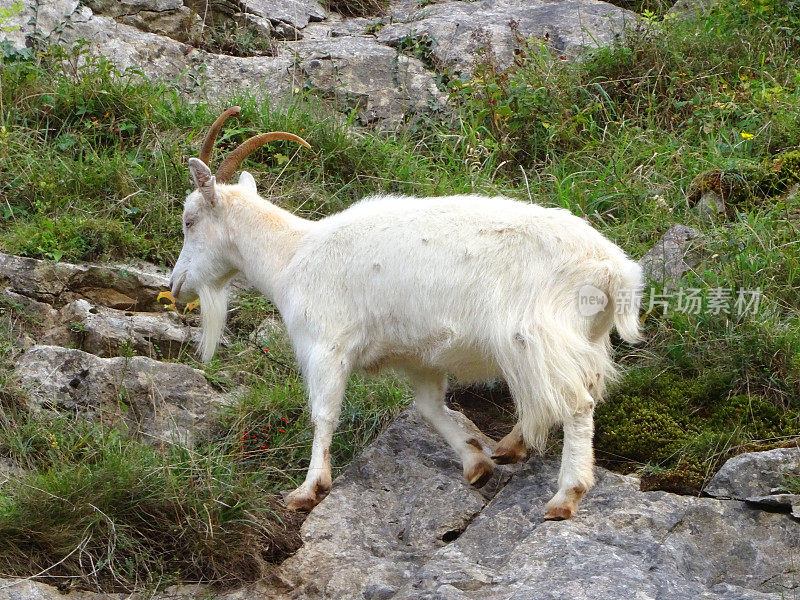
pixel 233 39
pixel 791 483
pixel 7 12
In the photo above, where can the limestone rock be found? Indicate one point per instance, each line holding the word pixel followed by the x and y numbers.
pixel 354 71
pixel 50 15
pixel 358 72
pixel 164 402
pixel 754 474
pixel 711 205
pixel 127 47
pixel 672 255
pixel 157 56
pixel 200 75
pixel 126 7
pixel 339 59
pixel 353 26
pixel 623 543
pixel 58 283
pixel 395 505
pixel 297 13
pixel 8 468
pixel 399 523
pixel 335 25
pixel 23 589
pixel 268 332
pixel 164 17
pixel 262 76
pixel 42 314
pixel 109 332
pixel 456 30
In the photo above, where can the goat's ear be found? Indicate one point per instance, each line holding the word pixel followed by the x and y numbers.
pixel 248 181
pixel 203 179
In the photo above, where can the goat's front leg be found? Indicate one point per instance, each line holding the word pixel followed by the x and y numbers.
pixel 326 380
pixel 577 463
pixel 429 397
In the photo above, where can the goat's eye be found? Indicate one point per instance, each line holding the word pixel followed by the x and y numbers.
pixel 189 224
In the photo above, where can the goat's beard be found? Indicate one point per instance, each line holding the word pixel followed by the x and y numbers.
pixel 213 314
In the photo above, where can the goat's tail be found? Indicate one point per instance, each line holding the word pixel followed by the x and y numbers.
pixel 556 362
pixel 625 296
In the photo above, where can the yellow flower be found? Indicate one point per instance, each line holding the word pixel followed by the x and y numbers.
pixel 168 297
pixel 170 305
pixel 746 136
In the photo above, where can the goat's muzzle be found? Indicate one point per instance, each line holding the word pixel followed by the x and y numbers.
pixel 176 289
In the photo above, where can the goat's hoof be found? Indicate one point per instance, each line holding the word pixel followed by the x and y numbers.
pixel 558 513
pixel 303 500
pixel 511 449
pixel 508 455
pixel 564 504
pixel 301 503
pixel 479 471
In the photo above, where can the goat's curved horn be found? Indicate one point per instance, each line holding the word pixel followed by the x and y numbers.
pixel 235 158
pixel 211 137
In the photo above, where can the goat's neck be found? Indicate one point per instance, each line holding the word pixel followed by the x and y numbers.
pixel 266 238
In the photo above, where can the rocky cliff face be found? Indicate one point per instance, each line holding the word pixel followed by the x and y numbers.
pixel 386 67
pixel 399 523
pixel 94 344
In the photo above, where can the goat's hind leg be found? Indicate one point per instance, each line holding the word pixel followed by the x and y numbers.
pixel 577 463
pixel 326 380
pixel 511 449
pixel 430 390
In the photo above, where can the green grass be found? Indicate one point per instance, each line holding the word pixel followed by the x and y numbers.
pixel 117 513
pixel 682 429
pixel 98 505
pixel 93 167
pixel 112 180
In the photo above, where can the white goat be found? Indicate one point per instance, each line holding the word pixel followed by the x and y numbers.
pixel 468 286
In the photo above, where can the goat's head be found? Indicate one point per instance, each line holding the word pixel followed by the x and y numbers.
pixel 205 263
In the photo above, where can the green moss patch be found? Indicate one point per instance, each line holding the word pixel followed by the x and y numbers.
pixel 748 180
pixel 677 430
